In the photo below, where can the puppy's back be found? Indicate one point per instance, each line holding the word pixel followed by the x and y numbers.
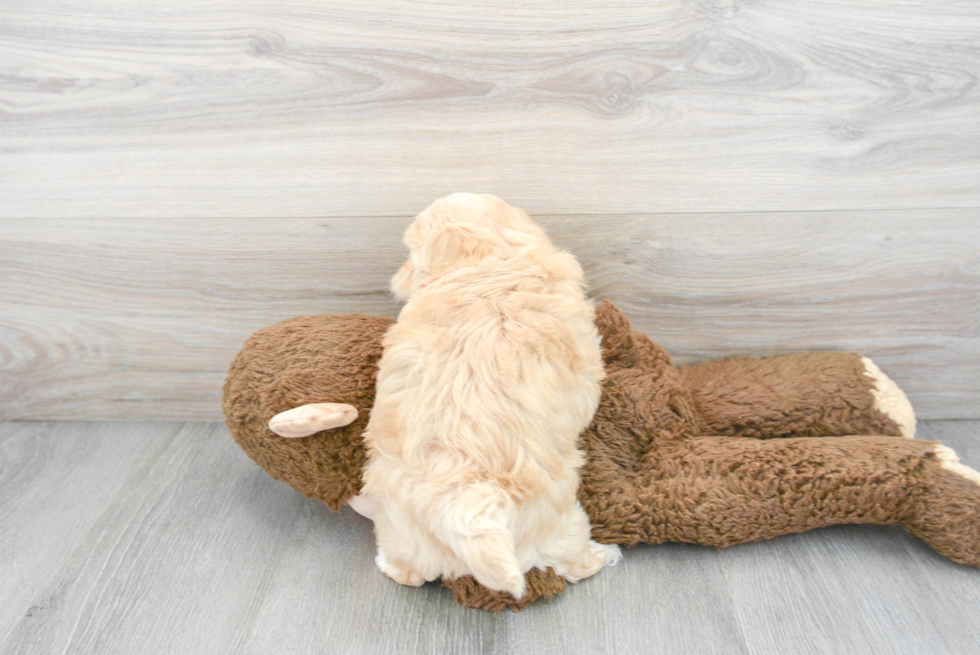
pixel 494 374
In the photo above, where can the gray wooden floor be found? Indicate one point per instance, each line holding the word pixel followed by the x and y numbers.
pixel 125 537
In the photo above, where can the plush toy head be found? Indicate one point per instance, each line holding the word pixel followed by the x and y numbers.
pixel 306 360
pixel 719 453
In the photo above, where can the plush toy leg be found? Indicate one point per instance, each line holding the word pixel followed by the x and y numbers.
pixel 947 516
pixel 801 395
pixel 309 419
pixel 727 491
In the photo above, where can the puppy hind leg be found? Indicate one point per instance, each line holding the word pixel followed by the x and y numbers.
pixel 392 545
pixel 399 571
pixel 589 557
pixel 589 561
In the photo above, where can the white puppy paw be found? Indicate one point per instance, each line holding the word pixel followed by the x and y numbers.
pixel 309 419
pixel 399 572
pixel 590 561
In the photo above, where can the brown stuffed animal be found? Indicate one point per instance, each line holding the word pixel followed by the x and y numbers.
pixel 718 453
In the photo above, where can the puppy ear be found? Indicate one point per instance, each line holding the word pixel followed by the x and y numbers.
pixel 453 244
pixel 403 282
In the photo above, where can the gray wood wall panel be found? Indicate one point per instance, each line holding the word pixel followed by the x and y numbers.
pixel 138 319
pixel 314 108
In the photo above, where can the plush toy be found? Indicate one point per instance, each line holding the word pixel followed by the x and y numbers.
pixel 718 453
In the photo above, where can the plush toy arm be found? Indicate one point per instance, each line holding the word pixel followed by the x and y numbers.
pixel 726 491
pixel 803 394
pixel 309 419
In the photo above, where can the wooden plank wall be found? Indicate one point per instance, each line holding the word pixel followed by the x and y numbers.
pixel 740 177
pixel 128 318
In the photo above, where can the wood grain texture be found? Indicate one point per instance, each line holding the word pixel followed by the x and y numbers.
pixel 191 539
pixel 192 549
pixel 133 319
pixel 55 482
pixel 315 108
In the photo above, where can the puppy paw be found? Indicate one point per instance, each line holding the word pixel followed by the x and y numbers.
pixel 399 571
pixel 589 561
pixel 309 419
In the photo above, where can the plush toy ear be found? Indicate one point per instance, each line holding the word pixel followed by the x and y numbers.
pixel 309 419
pixel 614 329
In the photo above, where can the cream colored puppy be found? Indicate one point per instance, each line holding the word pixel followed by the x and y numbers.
pixel 488 377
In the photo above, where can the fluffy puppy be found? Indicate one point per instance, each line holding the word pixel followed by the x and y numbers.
pixel 488 377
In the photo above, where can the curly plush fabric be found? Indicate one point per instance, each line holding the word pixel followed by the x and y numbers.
pixel 719 453
pixel 299 361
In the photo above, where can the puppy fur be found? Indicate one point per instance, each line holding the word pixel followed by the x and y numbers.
pixel 488 377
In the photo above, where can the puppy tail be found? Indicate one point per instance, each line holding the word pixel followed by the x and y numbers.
pixel 479 527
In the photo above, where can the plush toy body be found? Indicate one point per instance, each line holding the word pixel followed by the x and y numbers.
pixel 718 453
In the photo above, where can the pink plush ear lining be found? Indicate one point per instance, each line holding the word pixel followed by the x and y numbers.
pixel 309 419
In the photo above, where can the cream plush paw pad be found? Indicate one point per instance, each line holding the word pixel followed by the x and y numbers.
pixel 950 461
pixel 890 400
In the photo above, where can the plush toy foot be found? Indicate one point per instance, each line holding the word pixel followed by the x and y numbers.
pixel 947 516
pixel 589 562
pixel 305 420
pixel 890 400
pixel 399 571
pixel 539 584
